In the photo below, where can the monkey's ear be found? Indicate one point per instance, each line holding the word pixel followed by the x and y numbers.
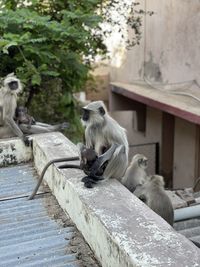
pixel 102 111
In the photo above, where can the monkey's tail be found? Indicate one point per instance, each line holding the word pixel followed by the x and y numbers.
pixel 44 170
pixel 69 166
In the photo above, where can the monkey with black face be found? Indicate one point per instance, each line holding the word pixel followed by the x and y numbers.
pixel 8 103
pixel 153 194
pixel 101 132
pixel 136 172
pixel 92 165
pixel 22 116
pixel 88 159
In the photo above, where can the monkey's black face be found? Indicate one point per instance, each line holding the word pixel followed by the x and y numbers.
pixel 13 85
pixel 85 114
pixel 143 162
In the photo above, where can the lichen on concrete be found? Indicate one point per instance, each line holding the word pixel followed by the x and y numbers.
pixel 13 151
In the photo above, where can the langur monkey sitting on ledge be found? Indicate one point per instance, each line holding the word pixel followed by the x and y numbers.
pixel 135 173
pixel 153 194
pixel 8 103
pixel 101 132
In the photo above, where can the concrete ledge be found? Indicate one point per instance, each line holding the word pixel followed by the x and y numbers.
pixel 121 230
pixel 13 151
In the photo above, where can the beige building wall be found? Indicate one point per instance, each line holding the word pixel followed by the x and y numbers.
pixel 169 52
pixel 151 135
pixel 153 123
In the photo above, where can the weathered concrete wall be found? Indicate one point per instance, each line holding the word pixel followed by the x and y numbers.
pixel 170 47
pixel 120 229
pixel 13 151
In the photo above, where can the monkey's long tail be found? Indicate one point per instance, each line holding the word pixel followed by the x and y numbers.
pixel 44 170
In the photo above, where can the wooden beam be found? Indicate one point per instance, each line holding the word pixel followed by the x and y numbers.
pixel 167 154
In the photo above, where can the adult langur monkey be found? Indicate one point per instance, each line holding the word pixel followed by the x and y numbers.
pixel 153 194
pixel 88 158
pixel 135 173
pixel 8 103
pixel 101 132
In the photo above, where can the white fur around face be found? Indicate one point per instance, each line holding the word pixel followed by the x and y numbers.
pixel 11 78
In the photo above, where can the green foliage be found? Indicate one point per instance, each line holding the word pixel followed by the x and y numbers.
pixel 50 46
pixel 48 41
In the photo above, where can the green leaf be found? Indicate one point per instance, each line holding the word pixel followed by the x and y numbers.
pixel 36 79
pixel 51 73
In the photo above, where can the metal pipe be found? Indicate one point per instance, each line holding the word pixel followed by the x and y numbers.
pixel 186 213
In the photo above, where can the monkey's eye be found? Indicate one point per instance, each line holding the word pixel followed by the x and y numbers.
pixel 13 85
pixel 102 111
pixel 140 161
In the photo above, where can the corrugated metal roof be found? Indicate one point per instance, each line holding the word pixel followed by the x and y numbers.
pixel 29 236
pixel 189 228
pixel 18 181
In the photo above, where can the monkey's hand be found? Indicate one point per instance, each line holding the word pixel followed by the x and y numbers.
pixel 27 141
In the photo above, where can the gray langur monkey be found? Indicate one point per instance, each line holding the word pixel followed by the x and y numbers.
pixel 135 173
pixel 101 132
pixel 8 103
pixel 153 194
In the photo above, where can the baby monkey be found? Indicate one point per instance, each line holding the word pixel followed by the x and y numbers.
pixel 22 117
pixel 92 165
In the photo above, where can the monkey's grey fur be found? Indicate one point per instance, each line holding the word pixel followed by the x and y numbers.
pixel 8 103
pixel 135 173
pixel 152 193
pixel 101 132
